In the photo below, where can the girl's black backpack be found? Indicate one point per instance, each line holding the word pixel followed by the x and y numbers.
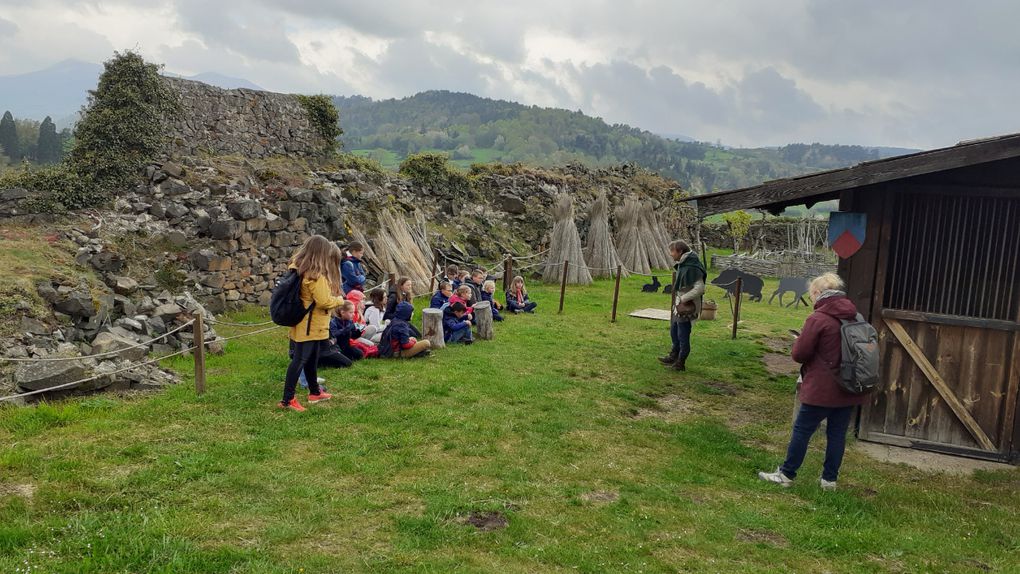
pixel 285 306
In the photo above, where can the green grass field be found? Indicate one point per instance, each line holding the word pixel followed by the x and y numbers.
pixel 599 458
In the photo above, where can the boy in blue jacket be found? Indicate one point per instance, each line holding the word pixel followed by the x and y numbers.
pixel 456 329
pixel 397 339
pixel 350 270
pixel 442 297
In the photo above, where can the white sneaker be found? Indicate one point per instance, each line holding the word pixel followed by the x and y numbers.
pixel 828 484
pixel 776 477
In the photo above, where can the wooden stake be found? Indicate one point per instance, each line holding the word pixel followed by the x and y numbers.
pixel 199 337
pixel 508 269
pixel 563 283
pixel 483 320
pixel 432 327
pixel 616 290
pixel 736 307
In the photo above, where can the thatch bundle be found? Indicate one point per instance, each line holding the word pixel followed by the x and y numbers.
pixel 565 245
pixel 658 246
pixel 629 241
pixel 401 248
pixel 599 249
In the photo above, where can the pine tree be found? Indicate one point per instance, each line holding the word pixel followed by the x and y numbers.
pixel 48 149
pixel 9 136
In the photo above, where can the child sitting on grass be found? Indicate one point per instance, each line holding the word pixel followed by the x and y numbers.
pixel 398 339
pixel 488 288
pixel 517 297
pixel 456 329
pixel 453 275
pixel 317 263
pixel 463 295
pixel 476 282
pixel 374 312
pixel 399 291
pixel 367 331
pixel 441 297
pixel 344 330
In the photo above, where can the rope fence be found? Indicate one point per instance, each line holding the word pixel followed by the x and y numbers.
pixel 97 356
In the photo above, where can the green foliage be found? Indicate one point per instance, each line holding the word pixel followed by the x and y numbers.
pixel 55 188
pixel 739 224
pixel 123 125
pixel 433 170
pixel 358 162
pixel 9 136
pixel 48 148
pixel 324 117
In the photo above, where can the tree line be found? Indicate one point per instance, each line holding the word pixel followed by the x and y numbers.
pixel 29 140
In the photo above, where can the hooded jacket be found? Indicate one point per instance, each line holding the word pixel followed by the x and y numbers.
pixel 818 349
pixel 352 273
pixel 400 333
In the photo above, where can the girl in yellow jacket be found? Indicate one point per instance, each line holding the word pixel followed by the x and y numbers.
pixel 318 264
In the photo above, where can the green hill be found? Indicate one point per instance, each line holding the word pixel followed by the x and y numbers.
pixel 474 129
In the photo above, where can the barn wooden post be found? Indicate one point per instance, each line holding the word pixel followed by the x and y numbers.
pixel 563 282
pixel 616 291
pixel 483 318
pixel 736 307
pixel 432 327
pixel 199 337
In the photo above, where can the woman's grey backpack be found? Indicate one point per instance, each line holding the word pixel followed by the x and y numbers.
pixel 860 370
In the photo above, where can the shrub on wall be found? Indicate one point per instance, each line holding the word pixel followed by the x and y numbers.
pixel 325 119
pixel 429 169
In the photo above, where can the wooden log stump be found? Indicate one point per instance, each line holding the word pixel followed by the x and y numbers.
pixel 432 327
pixel 483 318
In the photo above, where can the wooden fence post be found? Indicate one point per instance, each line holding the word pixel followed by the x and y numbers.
pixel 432 327
pixel 199 338
pixel 736 307
pixel 437 270
pixel 508 269
pixel 616 290
pixel 563 282
pixel 483 320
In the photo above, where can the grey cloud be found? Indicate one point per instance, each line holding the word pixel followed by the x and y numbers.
pixel 7 28
pixel 252 34
pixel 415 65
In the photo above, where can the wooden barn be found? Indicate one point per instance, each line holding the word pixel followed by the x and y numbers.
pixel 939 276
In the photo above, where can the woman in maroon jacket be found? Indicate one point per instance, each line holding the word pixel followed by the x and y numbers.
pixel 818 350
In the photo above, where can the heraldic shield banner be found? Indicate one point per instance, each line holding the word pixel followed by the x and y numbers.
pixel 846 232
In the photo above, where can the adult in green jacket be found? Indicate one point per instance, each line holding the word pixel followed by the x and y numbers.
pixel 688 289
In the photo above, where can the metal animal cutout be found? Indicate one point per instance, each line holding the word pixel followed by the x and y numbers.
pixel 653 286
pixel 750 284
pixel 797 285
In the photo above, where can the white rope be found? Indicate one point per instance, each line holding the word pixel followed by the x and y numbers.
pixel 94 377
pixel 221 322
pixel 532 256
pixel 107 354
pixel 243 335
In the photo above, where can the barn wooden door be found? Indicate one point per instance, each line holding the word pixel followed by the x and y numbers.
pixel 947 307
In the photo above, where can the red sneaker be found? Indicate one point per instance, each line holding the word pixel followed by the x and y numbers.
pixel 322 396
pixel 292 405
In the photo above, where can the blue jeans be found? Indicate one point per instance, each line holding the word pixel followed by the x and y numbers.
pixel 680 333
pixel 459 336
pixel 808 419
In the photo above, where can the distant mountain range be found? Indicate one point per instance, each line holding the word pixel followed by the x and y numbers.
pixel 60 90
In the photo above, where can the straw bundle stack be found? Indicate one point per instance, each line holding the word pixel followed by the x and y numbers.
pixel 565 245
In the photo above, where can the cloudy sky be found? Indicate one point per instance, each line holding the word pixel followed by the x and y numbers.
pixel 915 73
